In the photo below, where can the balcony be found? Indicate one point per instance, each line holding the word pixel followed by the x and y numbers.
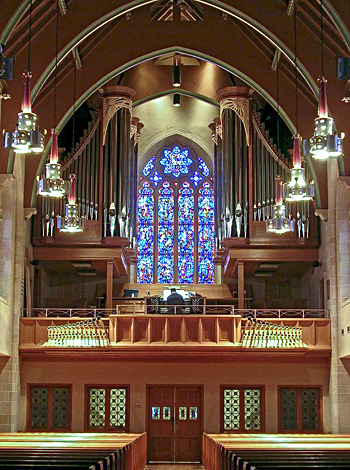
pixel 180 337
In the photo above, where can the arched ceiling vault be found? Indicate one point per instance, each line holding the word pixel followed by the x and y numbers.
pixel 110 43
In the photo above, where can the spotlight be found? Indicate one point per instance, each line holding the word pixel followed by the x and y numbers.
pixel 176 99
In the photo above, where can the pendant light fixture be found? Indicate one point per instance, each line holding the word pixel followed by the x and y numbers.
pixel 177 100
pixel 325 142
pixel 297 189
pixel 27 137
pixel 71 222
pixel 177 70
pixel 279 223
pixel 52 184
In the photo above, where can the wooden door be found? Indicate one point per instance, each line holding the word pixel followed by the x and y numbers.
pixel 174 423
pixel 188 424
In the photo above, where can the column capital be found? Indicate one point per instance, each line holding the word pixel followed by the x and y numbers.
pixel 113 91
pixel 135 129
pixel 237 99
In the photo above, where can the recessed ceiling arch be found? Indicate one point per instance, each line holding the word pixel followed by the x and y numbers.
pixel 212 3
pixel 104 80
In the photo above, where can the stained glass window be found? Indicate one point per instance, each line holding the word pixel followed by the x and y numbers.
pixel 299 409
pixel 251 409
pixel 148 167
pixel 204 167
pixel 39 407
pixel 196 178
pixel 60 408
pixel 145 234
pixel 107 408
pixel 193 413
pixel 242 409
pixel 117 408
pixel 182 413
pixel 166 234
pixel 175 220
pixel 206 235
pixel 156 412
pixel 97 408
pixel 186 235
pixel 166 412
pixel 49 408
pixel 176 161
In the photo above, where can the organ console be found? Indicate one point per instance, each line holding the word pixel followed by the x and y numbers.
pixel 84 334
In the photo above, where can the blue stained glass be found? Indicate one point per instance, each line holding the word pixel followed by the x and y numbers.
pixel 206 235
pixel 185 264
pixel 204 167
pixel 148 167
pixel 196 178
pixel 145 237
pixel 176 161
pixel 165 268
pixel 156 178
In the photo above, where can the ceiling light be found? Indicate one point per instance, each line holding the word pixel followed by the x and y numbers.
pixel 71 222
pixel 279 223
pixel 176 99
pixel 81 264
pixel 298 189
pixel 176 70
pixel 269 265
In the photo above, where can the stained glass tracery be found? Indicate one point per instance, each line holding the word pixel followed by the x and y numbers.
pixel 145 234
pixel 176 161
pixel 175 220
pixel 206 235
pixel 204 167
pixel 165 268
pixel 148 167
pixel 186 235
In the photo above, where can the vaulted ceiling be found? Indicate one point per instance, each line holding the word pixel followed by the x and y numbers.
pixel 124 42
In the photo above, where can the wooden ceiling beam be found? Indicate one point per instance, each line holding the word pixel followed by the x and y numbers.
pixel 273 254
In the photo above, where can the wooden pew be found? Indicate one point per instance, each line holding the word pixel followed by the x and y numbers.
pixel 73 451
pixel 275 451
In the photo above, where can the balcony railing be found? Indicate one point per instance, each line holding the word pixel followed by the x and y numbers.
pixel 137 309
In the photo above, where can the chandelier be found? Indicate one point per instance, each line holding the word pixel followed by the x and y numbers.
pixel 27 137
pixel 298 189
pixel 71 222
pixel 279 223
pixel 325 142
pixel 52 184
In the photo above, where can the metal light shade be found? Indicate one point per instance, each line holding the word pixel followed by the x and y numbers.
pixel 176 99
pixel 279 223
pixel 325 142
pixel 52 185
pixel 298 189
pixel 27 137
pixel 176 70
pixel 71 222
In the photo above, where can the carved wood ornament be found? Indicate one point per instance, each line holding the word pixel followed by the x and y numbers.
pixel 240 105
pixel 110 106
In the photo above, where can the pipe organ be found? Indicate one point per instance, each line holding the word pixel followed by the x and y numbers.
pixel 82 334
pixel 246 162
pixel 105 164
pixel 260 334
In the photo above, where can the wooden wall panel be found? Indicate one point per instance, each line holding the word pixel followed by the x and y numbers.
pixel 208 329
pixel 158 330
pixel 191 329
pixel 141 329
pixel 225 330
pixel 124 330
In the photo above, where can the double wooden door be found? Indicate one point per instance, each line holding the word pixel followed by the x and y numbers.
pixel 174 423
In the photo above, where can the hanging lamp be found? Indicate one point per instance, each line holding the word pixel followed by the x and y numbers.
pixel 71 222
pixel 298 189
pixel 52 185
pixel 27 137
pixel 325 142
pixel 279 223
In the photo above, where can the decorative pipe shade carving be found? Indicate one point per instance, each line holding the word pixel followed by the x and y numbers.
pixel 237 99
pixel 114 98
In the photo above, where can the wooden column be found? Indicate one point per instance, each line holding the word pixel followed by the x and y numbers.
pixel 240 285
pixel 109 290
